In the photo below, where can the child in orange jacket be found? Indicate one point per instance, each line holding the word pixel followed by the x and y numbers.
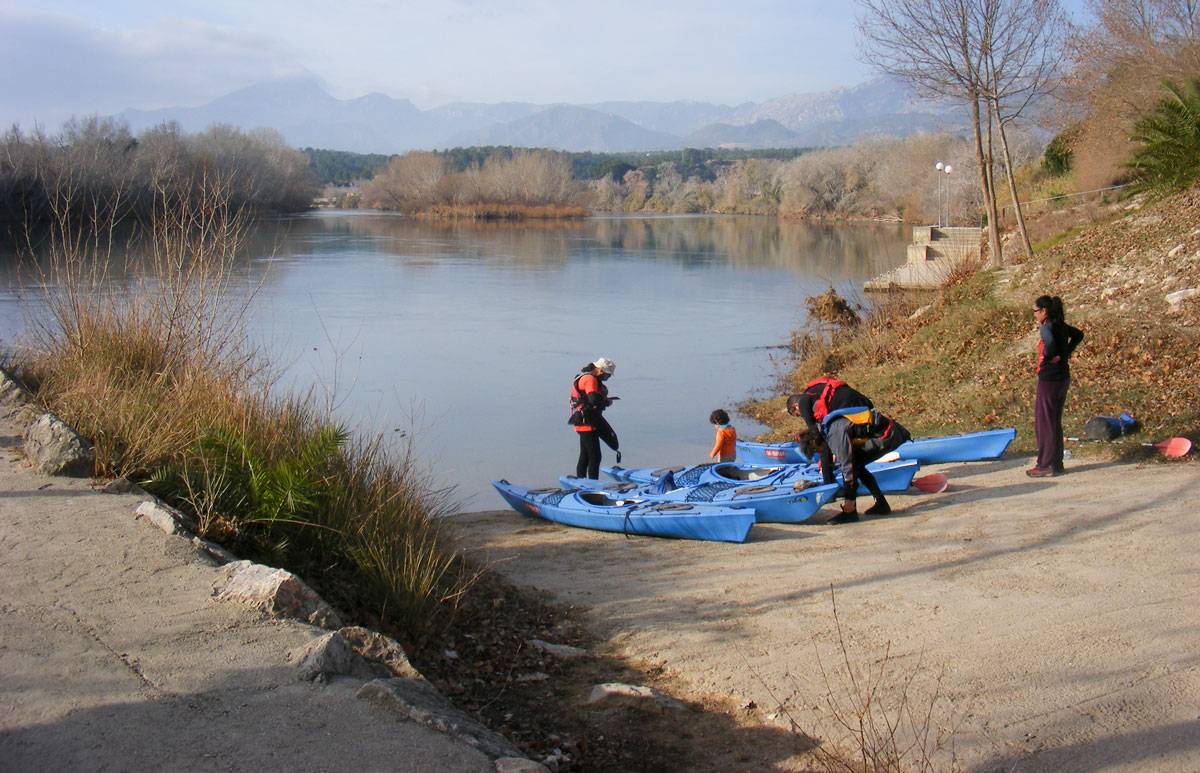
pixel 725 447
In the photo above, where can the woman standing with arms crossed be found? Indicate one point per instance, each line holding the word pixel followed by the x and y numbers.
pixel 1057 340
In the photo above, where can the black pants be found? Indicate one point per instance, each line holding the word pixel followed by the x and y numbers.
pixel 588 465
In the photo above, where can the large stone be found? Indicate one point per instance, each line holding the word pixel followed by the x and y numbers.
pixel 381 649
pixel 564 651
pixel 617 694
pixel 166 518
pixel 331 655
pixel 274 592
pixel 54 448
pixel 12 394
pixel 417 700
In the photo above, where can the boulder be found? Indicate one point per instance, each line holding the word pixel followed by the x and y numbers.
pixel 274 592
pixel 380 649
pixel 564 651
pixel 417 700
pixel 617 694
pixel 165 517
pixel 1176 250
pixel 12 394
pixel 331 655
pixel 54 448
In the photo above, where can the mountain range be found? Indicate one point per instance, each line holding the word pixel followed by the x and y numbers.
pixel 308 116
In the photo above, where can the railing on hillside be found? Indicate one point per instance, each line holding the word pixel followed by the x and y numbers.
pixel 1057 202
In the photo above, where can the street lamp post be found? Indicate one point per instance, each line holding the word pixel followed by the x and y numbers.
pixel 947 169
pixel 939 166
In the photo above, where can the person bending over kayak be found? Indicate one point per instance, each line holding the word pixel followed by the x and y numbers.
pixel 820 396
pixel 589 398
pixel 855 436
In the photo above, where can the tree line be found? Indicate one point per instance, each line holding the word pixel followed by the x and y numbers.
pixel 97 166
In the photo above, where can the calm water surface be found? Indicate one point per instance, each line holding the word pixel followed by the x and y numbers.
pixel 466 338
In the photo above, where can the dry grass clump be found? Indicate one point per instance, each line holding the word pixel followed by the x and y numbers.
pixel 159 377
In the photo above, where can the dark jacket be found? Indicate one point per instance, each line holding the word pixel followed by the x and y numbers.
pixel 1058 339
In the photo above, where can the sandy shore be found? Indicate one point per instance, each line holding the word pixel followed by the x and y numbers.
pixel 1060 616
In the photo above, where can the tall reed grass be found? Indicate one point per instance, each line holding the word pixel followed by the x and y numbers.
pixel 150 361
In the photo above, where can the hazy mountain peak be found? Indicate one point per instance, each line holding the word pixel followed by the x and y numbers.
pixel 301 108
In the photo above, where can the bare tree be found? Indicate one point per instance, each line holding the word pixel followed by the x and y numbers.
pixel 936 45
pixel 1021 47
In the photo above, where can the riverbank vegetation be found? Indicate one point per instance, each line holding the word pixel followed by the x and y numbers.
pixel 160 378
pixel 534 184
pixel 962 359
pixel 96 168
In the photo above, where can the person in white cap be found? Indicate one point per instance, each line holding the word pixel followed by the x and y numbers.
pixel 589 398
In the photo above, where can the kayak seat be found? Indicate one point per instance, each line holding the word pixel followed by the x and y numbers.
pixel 733 472
pixel 604 499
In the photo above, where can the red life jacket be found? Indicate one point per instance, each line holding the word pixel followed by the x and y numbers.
pixel 821 402
pixel 579 406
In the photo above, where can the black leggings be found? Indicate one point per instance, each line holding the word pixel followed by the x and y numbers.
pixel 588 465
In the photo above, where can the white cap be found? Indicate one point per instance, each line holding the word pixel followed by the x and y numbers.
pixel 604 365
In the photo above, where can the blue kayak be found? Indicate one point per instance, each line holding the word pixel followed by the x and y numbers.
pixel 892 476
pixel 614 511
pixel 968 447
pixel 770 503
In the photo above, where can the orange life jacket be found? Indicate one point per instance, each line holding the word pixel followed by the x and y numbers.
pixel 584 384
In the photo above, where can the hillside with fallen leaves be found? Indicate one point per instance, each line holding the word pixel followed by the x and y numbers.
pixel 963 359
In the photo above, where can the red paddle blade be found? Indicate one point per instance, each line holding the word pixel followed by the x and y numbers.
pixel 1174 447
pixel 933 483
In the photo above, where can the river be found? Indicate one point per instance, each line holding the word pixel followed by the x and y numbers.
pixel 463 339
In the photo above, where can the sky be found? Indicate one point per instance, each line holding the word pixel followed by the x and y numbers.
pixel 74 57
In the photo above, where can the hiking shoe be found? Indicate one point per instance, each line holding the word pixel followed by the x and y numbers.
pixel 879 508
pixel 844 518
pixel 1040 472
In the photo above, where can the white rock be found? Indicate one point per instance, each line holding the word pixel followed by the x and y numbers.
pixel 564 651
pixel 331 655
pixel 12 393
pixel 381 649
pixel 418 701
pixel 274 592
pixel 54 448
pixel 1176 299
pixel 166 518
pixel 1176 250
pixel 624 694
pixel 920 312
pixel 219 555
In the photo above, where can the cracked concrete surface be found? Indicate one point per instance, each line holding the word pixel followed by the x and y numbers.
pixel 114 656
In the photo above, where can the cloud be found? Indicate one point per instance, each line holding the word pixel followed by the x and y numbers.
pixel 53 65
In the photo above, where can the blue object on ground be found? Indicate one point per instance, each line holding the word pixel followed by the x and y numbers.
pixel 605 511
pixel 968 447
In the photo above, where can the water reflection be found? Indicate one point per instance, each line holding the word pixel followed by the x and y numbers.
pixel 475 330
